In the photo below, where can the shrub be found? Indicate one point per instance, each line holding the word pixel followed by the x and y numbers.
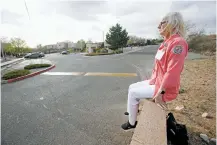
pixel 97 50
pixel 15 74
pixel 118 51
pixel 34 66
pixel 202 44
pixel 103 50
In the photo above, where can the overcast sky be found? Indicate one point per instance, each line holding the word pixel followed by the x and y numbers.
pixel 55 21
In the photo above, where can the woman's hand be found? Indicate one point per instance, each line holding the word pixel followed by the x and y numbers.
pixel 158 99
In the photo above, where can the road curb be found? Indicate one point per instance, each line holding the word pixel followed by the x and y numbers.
pixel 27 76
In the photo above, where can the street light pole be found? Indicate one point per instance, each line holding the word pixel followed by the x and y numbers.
pixel 81 45
pixel 103 36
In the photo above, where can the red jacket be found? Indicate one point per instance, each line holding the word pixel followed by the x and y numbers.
pixel 169 63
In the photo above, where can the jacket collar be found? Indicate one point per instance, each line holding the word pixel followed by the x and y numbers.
pixel 171 37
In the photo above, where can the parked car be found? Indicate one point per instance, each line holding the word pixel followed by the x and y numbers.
pixel 64 52
pixel 34 55
pixel 42 54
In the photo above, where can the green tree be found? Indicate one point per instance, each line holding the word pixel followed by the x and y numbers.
pixel 27 50
pixel 81 44
pixel 148 42
pixel 18 44
pixel 9 49
pixel 116 37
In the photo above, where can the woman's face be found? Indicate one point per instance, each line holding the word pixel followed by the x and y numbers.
pixel 162 27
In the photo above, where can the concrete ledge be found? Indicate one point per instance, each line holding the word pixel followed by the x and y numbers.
pixel 151 127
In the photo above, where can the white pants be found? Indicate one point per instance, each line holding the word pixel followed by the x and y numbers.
pixel 137 91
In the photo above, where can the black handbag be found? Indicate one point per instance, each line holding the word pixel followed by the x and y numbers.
pixel 176 133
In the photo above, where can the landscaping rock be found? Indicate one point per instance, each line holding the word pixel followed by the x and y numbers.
pixel 205 137
pixel 212 141
pixel 205 115
pixel 178 108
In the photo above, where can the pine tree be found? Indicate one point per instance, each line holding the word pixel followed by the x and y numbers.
pixel 117 37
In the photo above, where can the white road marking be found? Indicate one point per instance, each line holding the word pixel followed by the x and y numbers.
pixel 91 74
pixel 63 73
pixel 110 74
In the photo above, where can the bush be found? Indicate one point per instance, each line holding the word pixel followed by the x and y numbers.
pixel 15 74
pixel 97 50
pixel 103 50
pixel 202 44
pixel 34 66
pixel 118 51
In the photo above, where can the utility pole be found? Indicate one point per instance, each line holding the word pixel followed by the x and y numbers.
pixel 103 39
pixel 27 9
pixel 103 36
pixel 81 44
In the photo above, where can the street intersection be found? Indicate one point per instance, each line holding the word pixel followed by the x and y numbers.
pixel 81 101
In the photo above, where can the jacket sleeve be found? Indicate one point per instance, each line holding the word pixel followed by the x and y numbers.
pixel 175 64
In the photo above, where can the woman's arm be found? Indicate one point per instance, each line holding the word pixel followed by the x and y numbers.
pixel 175 63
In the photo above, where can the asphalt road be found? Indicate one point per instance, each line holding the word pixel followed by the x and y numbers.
pixel 73 110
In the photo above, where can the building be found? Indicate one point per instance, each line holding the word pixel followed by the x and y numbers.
pixel 92 46
pixel 62 45
pixel 51 46
pixel 71 45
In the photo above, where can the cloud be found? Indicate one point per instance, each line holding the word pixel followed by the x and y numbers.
pixel 8 17
pixel 79 10
pixel 54 21
pixel 201 13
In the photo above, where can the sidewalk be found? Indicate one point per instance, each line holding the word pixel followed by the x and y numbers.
pixel 11 62
pixel 24 63
pixel 21 66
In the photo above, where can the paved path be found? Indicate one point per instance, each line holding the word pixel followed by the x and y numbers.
pixel 11 62
pixel 24 63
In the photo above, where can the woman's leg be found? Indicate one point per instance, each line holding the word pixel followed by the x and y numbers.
pixel 136 85
pixel 141 91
